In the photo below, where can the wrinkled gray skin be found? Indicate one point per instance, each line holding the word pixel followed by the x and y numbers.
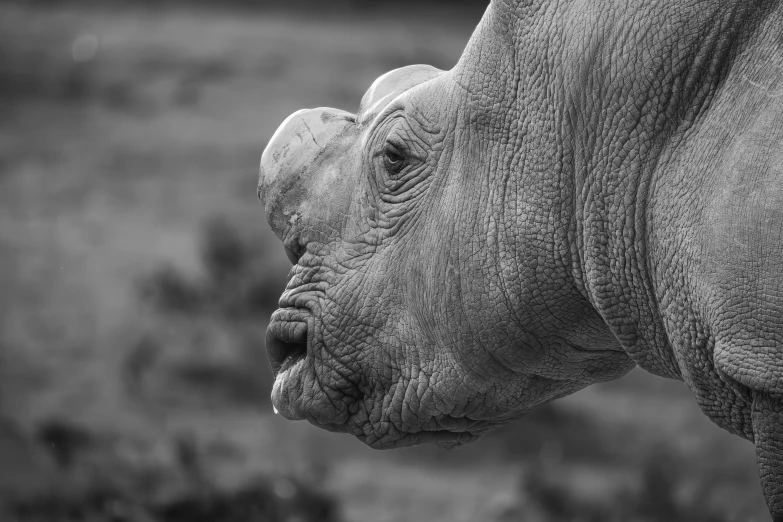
pixel 594 185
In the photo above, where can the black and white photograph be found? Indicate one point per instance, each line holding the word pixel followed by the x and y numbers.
pixel 412 261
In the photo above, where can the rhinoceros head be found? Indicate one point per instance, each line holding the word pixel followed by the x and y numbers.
pixel 431 296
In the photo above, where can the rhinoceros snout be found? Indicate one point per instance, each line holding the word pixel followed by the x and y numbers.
pixel 305 173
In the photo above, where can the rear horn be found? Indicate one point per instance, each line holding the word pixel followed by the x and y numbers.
pixel 391 85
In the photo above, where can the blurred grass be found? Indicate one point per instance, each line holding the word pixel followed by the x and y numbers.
pixel 138 275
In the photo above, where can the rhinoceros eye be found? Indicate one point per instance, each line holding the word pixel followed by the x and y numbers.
pixel 394 159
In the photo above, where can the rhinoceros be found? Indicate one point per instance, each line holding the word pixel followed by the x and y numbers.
pixel 595 185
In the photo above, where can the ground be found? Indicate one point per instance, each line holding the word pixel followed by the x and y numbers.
pixel 138 273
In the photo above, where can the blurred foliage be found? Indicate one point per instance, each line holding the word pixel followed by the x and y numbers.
pixel 217 314
pixel 236 284
pixel 659 493
pixel 97 483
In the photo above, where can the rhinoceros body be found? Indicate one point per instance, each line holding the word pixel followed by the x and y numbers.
pixel 595 185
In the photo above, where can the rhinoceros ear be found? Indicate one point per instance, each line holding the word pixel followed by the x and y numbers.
pixel 391 85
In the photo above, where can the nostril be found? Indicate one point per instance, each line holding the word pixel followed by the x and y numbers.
pixel 293 255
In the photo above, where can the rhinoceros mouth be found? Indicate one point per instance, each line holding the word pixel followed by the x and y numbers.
pixel 286 346
pixel 286 339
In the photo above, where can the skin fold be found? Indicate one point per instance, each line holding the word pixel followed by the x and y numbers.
pixel 594 185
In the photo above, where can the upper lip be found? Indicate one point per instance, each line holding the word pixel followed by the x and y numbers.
pixel 288 331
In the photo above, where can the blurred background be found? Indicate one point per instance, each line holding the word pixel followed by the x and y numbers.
pixel 137 276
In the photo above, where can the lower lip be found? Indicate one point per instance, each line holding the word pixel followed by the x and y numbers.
pixel 282 389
